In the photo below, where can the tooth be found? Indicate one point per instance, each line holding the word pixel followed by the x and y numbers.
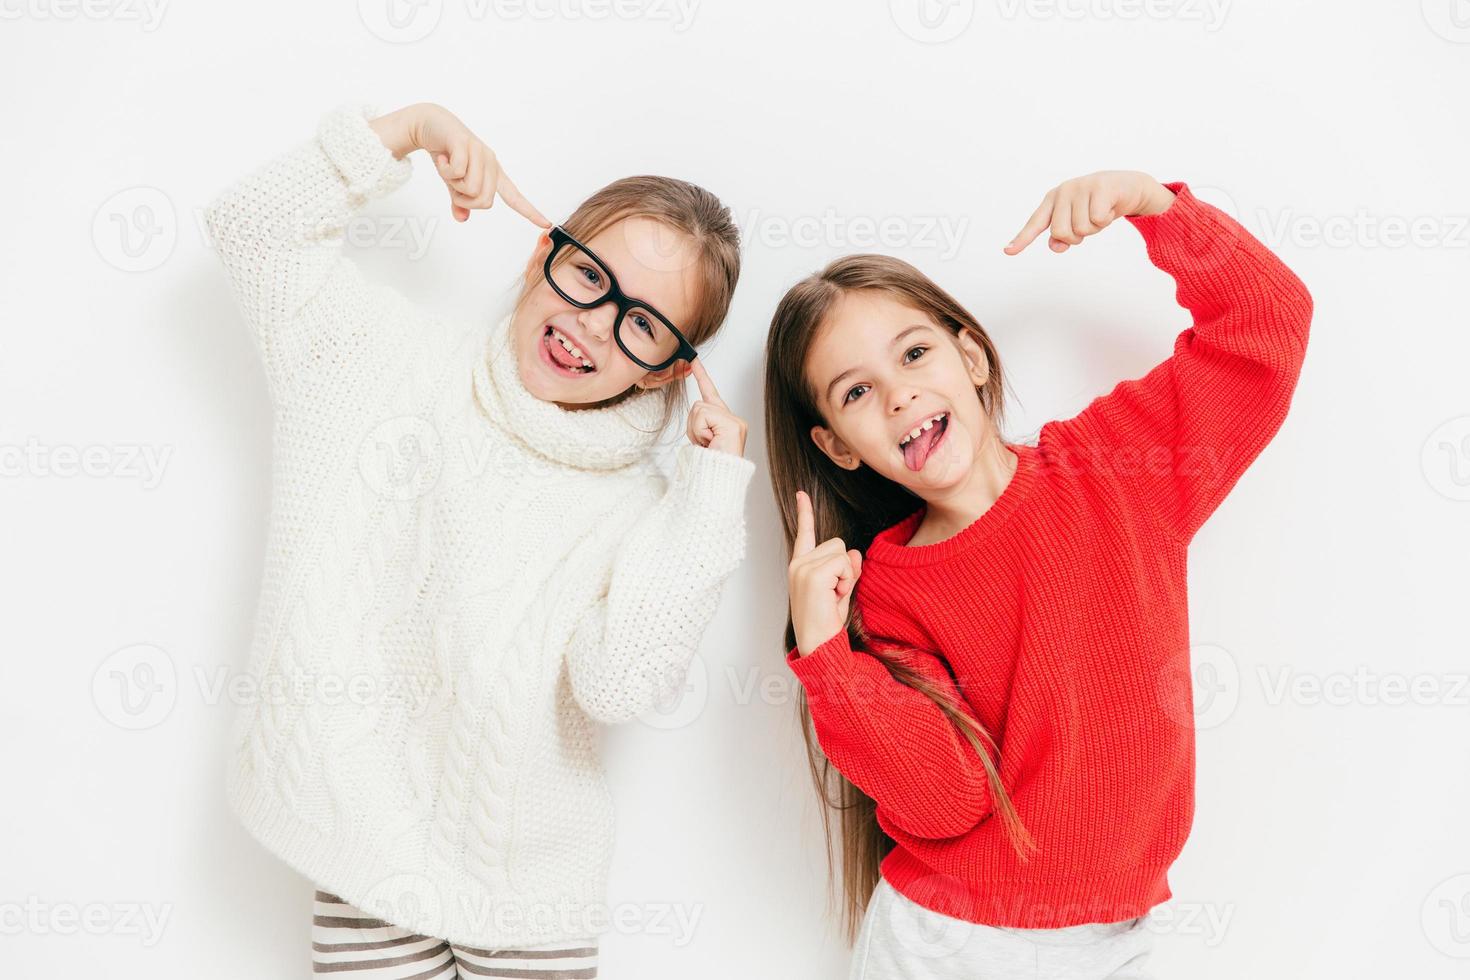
pixel 561 338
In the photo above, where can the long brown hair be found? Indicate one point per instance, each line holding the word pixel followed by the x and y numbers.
pixel 688 209
pixel 855 505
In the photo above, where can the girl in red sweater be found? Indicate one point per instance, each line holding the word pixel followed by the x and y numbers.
pixel 991 637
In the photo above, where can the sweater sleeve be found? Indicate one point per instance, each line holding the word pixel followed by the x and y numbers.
pixel 893 742
pixel 637 639
pixel 1181 436
pixel 279 232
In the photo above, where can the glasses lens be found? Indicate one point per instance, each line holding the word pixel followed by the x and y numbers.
pixel 647 335
pixel 578 275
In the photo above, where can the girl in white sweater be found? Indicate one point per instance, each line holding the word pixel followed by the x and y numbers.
pixel 473 555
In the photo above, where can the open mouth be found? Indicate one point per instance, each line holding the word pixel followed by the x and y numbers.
pixel 563 355
pixel 921 441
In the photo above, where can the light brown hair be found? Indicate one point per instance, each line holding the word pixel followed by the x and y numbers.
pixel 688 209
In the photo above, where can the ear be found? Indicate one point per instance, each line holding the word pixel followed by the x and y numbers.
pixel 974 356
pixel 677 371
pixel 538 257
pixel 835 448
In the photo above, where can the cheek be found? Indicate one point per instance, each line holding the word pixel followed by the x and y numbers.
pixel 972 417
pixel 862 432
pixel 619 372
pixel 543 298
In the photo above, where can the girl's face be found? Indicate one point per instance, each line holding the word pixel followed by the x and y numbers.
pixel 880 370
pixel 653 263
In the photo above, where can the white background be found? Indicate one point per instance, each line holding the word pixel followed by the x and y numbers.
pixel 1330 838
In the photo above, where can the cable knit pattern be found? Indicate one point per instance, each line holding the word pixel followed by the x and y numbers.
pixel 1060 617
pixel 460 580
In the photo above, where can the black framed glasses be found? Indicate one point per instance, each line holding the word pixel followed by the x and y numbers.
pixel 585 281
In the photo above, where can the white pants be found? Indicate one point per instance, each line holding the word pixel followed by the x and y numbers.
pixel 902 940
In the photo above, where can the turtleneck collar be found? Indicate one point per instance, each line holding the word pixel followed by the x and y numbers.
pixel 592 438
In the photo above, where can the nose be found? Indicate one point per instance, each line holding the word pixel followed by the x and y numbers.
pixel 901 399
pixel 598 322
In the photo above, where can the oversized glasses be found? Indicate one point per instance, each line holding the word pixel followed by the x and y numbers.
pixel 585 281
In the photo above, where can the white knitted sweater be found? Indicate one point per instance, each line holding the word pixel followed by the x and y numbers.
pixel 459 579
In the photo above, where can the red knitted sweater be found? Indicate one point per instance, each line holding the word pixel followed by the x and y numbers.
pixel 1060 617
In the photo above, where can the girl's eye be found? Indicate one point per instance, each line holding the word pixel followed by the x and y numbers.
pixel 920 347
pixel 642 323
pixel 593 277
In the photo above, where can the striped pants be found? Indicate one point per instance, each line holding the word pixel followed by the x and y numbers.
pixel 345 939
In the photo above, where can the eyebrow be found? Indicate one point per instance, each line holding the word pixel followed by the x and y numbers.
pixel 891 344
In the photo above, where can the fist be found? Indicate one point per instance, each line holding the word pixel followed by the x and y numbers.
pixel 820 580
pixel 711 423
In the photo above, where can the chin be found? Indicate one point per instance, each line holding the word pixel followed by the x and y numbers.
pixel 534 380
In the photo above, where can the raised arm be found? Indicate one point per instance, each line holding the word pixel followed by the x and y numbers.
pixel 279 232
pixel 1181 436
pixel 639 636
pixel 892 742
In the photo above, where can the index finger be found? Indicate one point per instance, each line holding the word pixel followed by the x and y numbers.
pixel 806 535
pixel 511 194
pixel 707 389
pixel 1039 220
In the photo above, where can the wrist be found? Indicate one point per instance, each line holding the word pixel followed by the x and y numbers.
pixel 413 121
pixel 728 449
pixel 1156 200
pixel 398 130
pixel 806 647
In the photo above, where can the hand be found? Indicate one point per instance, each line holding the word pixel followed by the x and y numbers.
pixel 820 580
pixel 466 165
pixel 711 423
pixel 1084 206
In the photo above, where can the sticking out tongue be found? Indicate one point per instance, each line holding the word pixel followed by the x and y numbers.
pixel 916 451
pixel 562 355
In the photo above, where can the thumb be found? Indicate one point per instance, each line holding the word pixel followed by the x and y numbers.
pixel 458 213
pixel 847 583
